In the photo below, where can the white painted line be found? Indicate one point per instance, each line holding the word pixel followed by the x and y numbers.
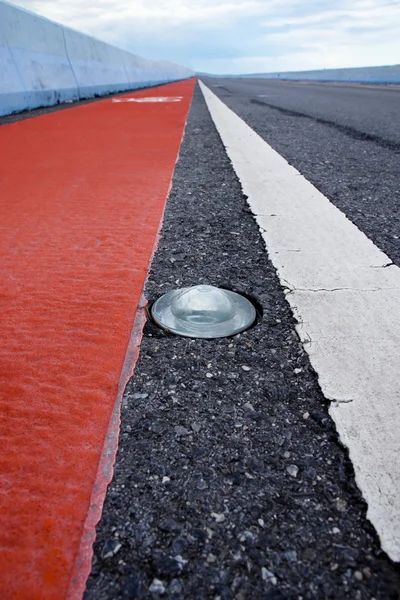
pixel 149 99
pixel 347 303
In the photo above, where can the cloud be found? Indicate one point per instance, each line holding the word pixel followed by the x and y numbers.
pixel 233 36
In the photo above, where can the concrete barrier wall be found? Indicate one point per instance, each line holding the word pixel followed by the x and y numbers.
pixel 43 63
pixel 96 65
pixel 383 75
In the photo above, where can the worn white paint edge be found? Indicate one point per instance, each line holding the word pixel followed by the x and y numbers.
pixel 151 99
pixel 345 295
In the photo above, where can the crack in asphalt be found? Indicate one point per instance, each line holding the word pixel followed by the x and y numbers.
pixel 337 401
pixel 339 289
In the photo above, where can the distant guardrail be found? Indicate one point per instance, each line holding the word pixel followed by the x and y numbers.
pixel 389 74
pixel 43 63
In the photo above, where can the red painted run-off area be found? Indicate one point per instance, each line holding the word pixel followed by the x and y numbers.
pixel 82 192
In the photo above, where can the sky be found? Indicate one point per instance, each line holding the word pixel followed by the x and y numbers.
pixel 240 36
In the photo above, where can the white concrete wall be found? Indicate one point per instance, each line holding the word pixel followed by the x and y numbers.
pixel 96 65
pixel 43 63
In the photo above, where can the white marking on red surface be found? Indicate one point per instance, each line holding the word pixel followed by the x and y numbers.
pixel 345 295
pixel 149 99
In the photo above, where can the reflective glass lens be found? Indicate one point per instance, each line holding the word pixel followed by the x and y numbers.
pixel 203 311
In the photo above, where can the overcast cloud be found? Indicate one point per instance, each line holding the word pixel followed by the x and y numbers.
pixel 240 36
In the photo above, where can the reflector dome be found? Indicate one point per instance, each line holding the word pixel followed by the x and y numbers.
pixel 203 311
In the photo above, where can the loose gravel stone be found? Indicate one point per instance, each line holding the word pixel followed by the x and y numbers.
pixel 341 505
pixel 268 576
pixel 181 430
pixel 292 470
pixel 110 548
pixel 218 518
pixel 157 587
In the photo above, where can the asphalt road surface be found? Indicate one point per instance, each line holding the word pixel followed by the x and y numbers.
pixel 372 111
pixel 344 139
pixel 230 480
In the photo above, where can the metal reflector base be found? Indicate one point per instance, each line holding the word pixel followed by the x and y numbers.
pixel 203 311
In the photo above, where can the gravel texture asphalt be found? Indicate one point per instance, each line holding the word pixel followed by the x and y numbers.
pixel 230 481
pixel 344 139
pixel 371 110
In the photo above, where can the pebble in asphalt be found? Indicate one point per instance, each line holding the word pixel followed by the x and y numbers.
pixel 229 483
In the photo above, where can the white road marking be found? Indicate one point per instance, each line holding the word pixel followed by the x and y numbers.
pixel 149 99
pixel 345 294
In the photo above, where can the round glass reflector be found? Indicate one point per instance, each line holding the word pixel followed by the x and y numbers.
pixel 203 311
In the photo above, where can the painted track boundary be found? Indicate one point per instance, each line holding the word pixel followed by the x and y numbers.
pixel 79 229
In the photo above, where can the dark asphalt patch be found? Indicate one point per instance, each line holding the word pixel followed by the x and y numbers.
pixel 222 87
pixel 370 110
pixel 357 175
pixel 350 131
pixel 230 482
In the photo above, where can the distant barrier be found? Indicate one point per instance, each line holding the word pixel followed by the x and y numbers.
pixel 43 63
pixel 376 75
